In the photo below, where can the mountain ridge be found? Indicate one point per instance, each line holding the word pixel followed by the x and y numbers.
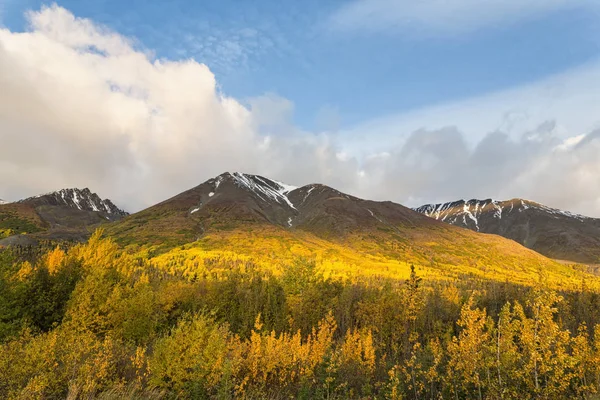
pixel 81 199
pixel 556 233
pixel 256 199
pixel 66 214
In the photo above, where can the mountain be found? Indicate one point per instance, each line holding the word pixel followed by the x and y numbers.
pixel 554 233
pixel 234 199
pixel 67 214
pixel 77 199
pixel 3 202
pixel 249 217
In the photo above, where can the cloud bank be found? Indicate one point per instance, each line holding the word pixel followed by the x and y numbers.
pixel 83 106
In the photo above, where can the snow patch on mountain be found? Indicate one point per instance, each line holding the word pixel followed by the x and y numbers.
pixel 468 213
pixel 264 188
pixel 81 199
pixel 463 212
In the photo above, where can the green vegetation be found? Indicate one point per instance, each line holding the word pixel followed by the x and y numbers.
pixel 17 218
pixel 100 321
pixel 13 225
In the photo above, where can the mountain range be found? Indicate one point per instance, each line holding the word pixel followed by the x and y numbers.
pixel 554 233
pixel 257 218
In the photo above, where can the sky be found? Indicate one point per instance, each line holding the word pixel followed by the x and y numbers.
pixel 414 102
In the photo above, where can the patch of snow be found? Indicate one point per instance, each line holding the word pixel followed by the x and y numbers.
pixel 374 216
pixel 289 222
pixel 211 194
pixel 471 216
pixel 218 182
pixel 76 199
pixel 558 213
pixel 286 188
pixel 264 189
pixel 106 206
pixel 93 204
pixel 498 212
pixel 194 210
pixel 308 194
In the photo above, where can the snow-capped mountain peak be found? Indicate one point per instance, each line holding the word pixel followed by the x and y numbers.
pixel 553 232
pixel 468 213
pixel 81 199
pixel 264 188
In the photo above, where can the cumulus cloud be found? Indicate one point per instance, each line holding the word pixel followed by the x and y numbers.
pixel 80 105
pixel 443 16
pixel 83 106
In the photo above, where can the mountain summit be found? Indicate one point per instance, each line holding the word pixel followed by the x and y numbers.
pixel 67 214
pixel 79 199
pixel 555 233
pixel 237 199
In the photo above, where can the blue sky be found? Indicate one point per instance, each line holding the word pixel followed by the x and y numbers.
pixel 342 77
pixel 410 101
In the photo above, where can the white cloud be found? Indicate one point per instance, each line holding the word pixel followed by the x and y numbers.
pixel 81 106
pixel 443 16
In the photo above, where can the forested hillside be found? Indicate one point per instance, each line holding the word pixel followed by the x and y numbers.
pixel 98 321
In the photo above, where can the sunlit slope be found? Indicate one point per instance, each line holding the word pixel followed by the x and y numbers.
pixel 344 235
pixel 438 254
pixel 253 219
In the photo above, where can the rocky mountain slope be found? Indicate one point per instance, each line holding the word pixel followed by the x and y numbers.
pixel 67 214
pixel 555 233
pixel 77 199
pixel 233 199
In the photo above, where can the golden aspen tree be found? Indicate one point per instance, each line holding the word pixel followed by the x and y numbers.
pixel 54 260
pixel 354 362
pixel 583 363
pixel 469 353
pixel 506 355
pixel 544 346
pixel 190 360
